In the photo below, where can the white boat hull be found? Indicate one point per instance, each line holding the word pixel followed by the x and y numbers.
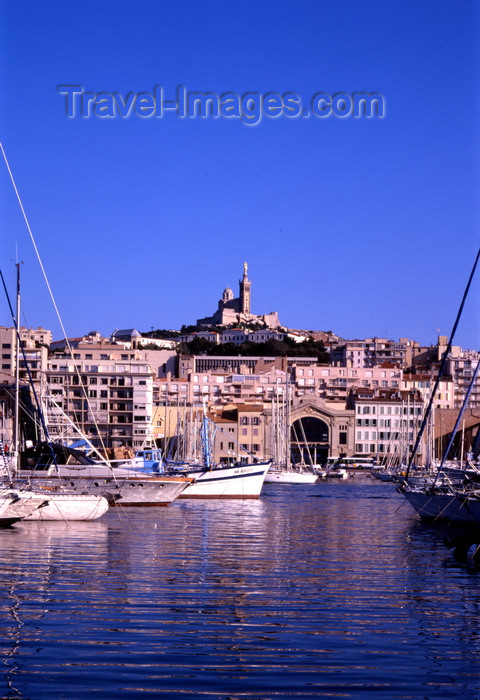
pixel 47 505
pixel 11 510
pixel 240 481
pixel 288 476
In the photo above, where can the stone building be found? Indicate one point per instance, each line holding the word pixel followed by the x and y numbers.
pixel 233 310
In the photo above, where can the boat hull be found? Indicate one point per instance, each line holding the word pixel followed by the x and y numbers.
pixel 8 514
pixel 128 489
pixel 290 477
pixel 240 481
pixel 448 507
pixel 47 505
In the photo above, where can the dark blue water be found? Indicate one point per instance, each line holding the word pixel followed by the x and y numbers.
pixel 333 591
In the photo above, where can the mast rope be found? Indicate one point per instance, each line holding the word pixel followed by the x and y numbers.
pixel 37 253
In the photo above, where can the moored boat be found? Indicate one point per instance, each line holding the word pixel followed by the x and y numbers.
pixel 57 466
pixel 290 475
pixel 223 481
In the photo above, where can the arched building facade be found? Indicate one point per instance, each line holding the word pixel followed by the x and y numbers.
pixel 319 430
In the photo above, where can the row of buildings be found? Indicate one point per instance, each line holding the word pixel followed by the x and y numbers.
pixel 122 391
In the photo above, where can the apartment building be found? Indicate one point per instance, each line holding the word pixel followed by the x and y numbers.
pixel 104 388
pixel 335 383
pixel 110 401
pixel 424 384
pixel 461 369
pixel 33 355
pixel 387 423
pixel 221 388
pixel 371 352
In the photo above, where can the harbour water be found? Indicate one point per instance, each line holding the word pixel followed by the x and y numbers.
pixel 328 591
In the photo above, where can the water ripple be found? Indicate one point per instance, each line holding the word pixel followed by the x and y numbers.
pixel 328 591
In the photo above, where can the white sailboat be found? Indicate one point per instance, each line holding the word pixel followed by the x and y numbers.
pixel 282 470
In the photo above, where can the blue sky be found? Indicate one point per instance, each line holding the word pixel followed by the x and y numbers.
pixel 361 226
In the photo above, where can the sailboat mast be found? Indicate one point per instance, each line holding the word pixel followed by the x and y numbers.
pixel 287 421
pixel 443 364
pixel 16 422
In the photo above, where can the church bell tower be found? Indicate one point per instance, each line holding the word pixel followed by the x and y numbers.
pixel 245 286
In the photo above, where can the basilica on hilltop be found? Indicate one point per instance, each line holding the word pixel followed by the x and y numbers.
pixel 232 311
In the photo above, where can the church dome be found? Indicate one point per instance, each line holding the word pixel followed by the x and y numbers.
pixel 227 294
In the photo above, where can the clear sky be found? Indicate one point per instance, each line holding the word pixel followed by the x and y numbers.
pixel 362 226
